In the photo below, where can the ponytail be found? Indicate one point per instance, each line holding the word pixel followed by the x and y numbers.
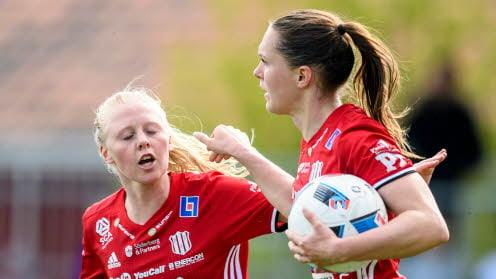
pixel 376 82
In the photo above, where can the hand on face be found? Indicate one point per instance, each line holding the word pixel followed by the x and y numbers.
pixel 224 142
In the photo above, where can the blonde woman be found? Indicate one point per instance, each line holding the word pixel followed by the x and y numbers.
pixel 176 215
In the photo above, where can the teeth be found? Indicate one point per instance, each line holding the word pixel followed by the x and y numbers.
pixel 146 157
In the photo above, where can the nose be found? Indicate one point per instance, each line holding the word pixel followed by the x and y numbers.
pixel 144 145
pixel 143 142
pixel 257 71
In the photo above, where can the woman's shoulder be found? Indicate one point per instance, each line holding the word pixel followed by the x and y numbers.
pixel 209 180
pixel 192 177
pixel 105 205
pixel 354 118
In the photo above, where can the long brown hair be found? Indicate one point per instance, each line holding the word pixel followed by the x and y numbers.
pixel 324 42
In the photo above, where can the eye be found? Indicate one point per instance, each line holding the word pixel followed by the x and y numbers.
pixel 127 137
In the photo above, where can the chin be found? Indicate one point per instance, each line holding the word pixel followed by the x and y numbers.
pixel 150 178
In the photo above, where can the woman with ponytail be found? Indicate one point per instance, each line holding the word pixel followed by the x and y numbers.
pixel 307 59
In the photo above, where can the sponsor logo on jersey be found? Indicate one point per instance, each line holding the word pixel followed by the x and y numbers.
pixel 119 225
pixel 303 167
pixel 388 155
pixel 332 138
pixel 254 187
pixel 151 272
pixel 129 251
pixel 103 229
pixel 382 146
pixel 162 222
pixel 189 206
pixel 124 275
pixel 113 262
pixel 145 247
pixel 180 243
pixel 316 170
pixel 187 261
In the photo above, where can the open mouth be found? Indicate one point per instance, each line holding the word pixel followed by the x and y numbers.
pixel 146 160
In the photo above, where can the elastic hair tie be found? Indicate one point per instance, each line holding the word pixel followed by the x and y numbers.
pixel 341 29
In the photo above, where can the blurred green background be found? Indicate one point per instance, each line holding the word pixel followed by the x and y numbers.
pixel 60 59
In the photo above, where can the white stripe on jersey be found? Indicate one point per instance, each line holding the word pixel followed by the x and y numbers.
pixel 232 269
pixel 392 177
pixel 371 269
pixel 274 221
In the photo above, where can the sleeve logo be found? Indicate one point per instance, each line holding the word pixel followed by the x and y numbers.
pixel 388 155
pixel 189 206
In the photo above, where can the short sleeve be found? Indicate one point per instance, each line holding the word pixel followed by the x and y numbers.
pixel 92 267
pixel 372 154
pixel 240 210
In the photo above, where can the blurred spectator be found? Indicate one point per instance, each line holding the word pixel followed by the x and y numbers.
pixel 441 120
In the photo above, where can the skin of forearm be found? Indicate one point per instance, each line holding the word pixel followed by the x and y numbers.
pixel 274 182
pixel 407 235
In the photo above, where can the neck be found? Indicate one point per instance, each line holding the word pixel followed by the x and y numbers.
pixel 143 200
pixel 313 112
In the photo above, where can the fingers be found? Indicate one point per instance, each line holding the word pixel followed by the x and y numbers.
pixel 312 218
pixel 202 138
pixel 301 258
pixel 432 162
pixel 294 237
pixel 442 154
pixel 296 246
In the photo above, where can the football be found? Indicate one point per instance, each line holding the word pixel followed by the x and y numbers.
pixel 345 203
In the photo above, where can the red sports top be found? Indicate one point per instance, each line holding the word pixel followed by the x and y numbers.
pixel 351 142
pixel 201 231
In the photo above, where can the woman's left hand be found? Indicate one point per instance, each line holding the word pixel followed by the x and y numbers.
pixel 426 167
pixel 318 247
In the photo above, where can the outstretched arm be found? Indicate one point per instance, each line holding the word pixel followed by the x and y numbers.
pixel 275 183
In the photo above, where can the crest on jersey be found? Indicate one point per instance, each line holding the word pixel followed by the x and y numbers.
pixel 189 206
pixel 129 251
pixel 331 139
pixel 180 243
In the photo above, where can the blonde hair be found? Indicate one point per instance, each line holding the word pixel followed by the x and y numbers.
pixel 187 155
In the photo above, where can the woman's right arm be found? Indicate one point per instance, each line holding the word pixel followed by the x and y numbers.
pixel 227 141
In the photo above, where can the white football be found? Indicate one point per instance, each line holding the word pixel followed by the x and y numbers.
pixel 345 203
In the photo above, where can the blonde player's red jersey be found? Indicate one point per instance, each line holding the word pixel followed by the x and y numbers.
pixel 201 231
pixel 351 142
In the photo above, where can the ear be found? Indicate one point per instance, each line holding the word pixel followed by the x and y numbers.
pixel 305 76
pixel 104 153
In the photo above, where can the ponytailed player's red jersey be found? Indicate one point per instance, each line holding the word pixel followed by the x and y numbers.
pixel 351 142
pixel 201 231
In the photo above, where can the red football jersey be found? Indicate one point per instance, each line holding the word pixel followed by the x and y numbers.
pixel 350 142
pixel 201 231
